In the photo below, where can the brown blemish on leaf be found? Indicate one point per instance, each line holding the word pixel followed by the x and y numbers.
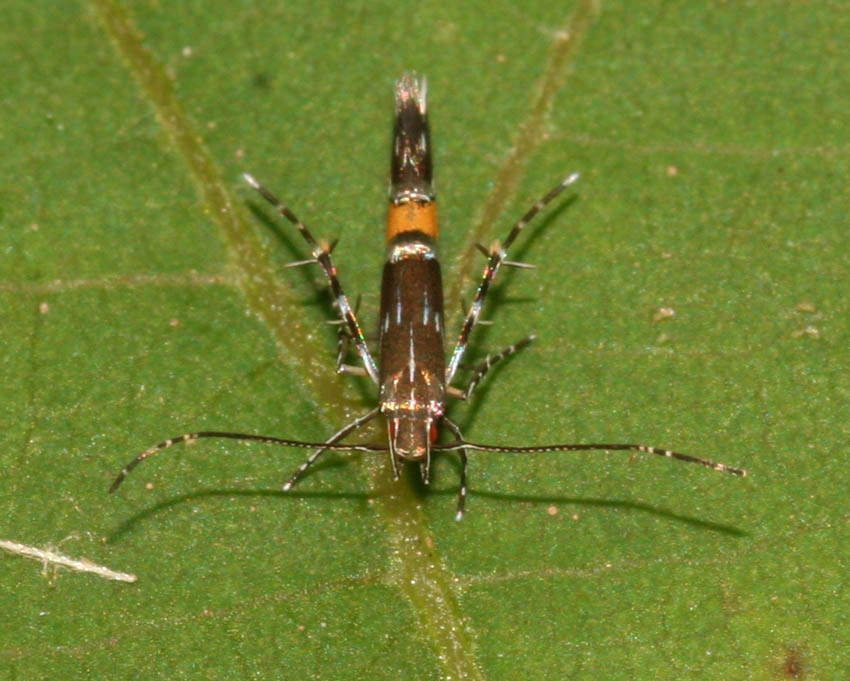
pixel 793 663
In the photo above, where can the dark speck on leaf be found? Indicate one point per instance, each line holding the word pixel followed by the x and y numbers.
pixel 262 80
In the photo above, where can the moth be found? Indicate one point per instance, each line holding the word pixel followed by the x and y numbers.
pixel 412 376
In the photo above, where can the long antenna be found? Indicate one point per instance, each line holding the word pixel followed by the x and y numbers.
pixel 457 445
pixel 646 449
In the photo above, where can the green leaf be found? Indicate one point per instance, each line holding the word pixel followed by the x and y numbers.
pixel 144 296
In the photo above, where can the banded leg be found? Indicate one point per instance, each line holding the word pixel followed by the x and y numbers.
pixel 322 256
pixel 461 452
pixel 343 343
pixel 332 440
pixel 496 257
pixel 488 363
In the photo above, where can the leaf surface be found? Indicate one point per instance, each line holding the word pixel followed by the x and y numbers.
pixel 144 296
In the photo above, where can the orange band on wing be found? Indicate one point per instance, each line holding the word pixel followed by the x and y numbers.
pixel 412 216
